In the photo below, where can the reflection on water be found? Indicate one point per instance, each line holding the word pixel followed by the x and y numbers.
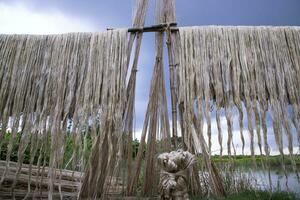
pixel 277 177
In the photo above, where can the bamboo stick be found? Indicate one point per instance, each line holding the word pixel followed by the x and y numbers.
pixel 172 65
pixel 138 21
pixel 155 28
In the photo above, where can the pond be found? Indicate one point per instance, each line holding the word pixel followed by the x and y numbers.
pixel 279 181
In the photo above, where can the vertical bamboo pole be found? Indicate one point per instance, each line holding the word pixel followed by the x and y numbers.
pixel 172 65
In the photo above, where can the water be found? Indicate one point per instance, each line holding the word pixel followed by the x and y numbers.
pixel 279 182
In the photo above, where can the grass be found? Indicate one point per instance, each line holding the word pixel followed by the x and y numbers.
pixel 274 161
pixel 255 195
pixel 244 187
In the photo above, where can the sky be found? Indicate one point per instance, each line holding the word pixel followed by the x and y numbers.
pixel 61 16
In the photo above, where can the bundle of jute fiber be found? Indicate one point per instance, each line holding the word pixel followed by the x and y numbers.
pixel 48 82
pixel 231 66
pixel 175 169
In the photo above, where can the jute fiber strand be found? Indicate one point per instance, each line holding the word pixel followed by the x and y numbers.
pixel 231 66
pixel 48 82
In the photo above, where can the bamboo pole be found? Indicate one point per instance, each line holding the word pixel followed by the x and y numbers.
pixel 155 28
pixel 172 65
pixel 138 21
pixel 131 101
pixel 214 176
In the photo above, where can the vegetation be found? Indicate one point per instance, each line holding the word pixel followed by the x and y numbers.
pixel 237 188
pixel 14 153
pixel 69 149
pixel 255 195
pixel 240 160
pixel 246 160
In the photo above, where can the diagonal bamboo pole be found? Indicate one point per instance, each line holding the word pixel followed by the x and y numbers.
pixel 131 101
pixel 138 21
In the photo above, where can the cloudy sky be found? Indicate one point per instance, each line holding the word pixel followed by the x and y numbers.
pixel 61 16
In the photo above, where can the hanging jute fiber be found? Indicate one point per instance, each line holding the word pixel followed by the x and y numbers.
pixel 228 67
pixel 56 90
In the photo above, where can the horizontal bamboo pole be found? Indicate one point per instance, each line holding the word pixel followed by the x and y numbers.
pixel 155 28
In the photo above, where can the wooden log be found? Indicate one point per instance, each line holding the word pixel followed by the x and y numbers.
pixel 70 182
pixel 68 174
